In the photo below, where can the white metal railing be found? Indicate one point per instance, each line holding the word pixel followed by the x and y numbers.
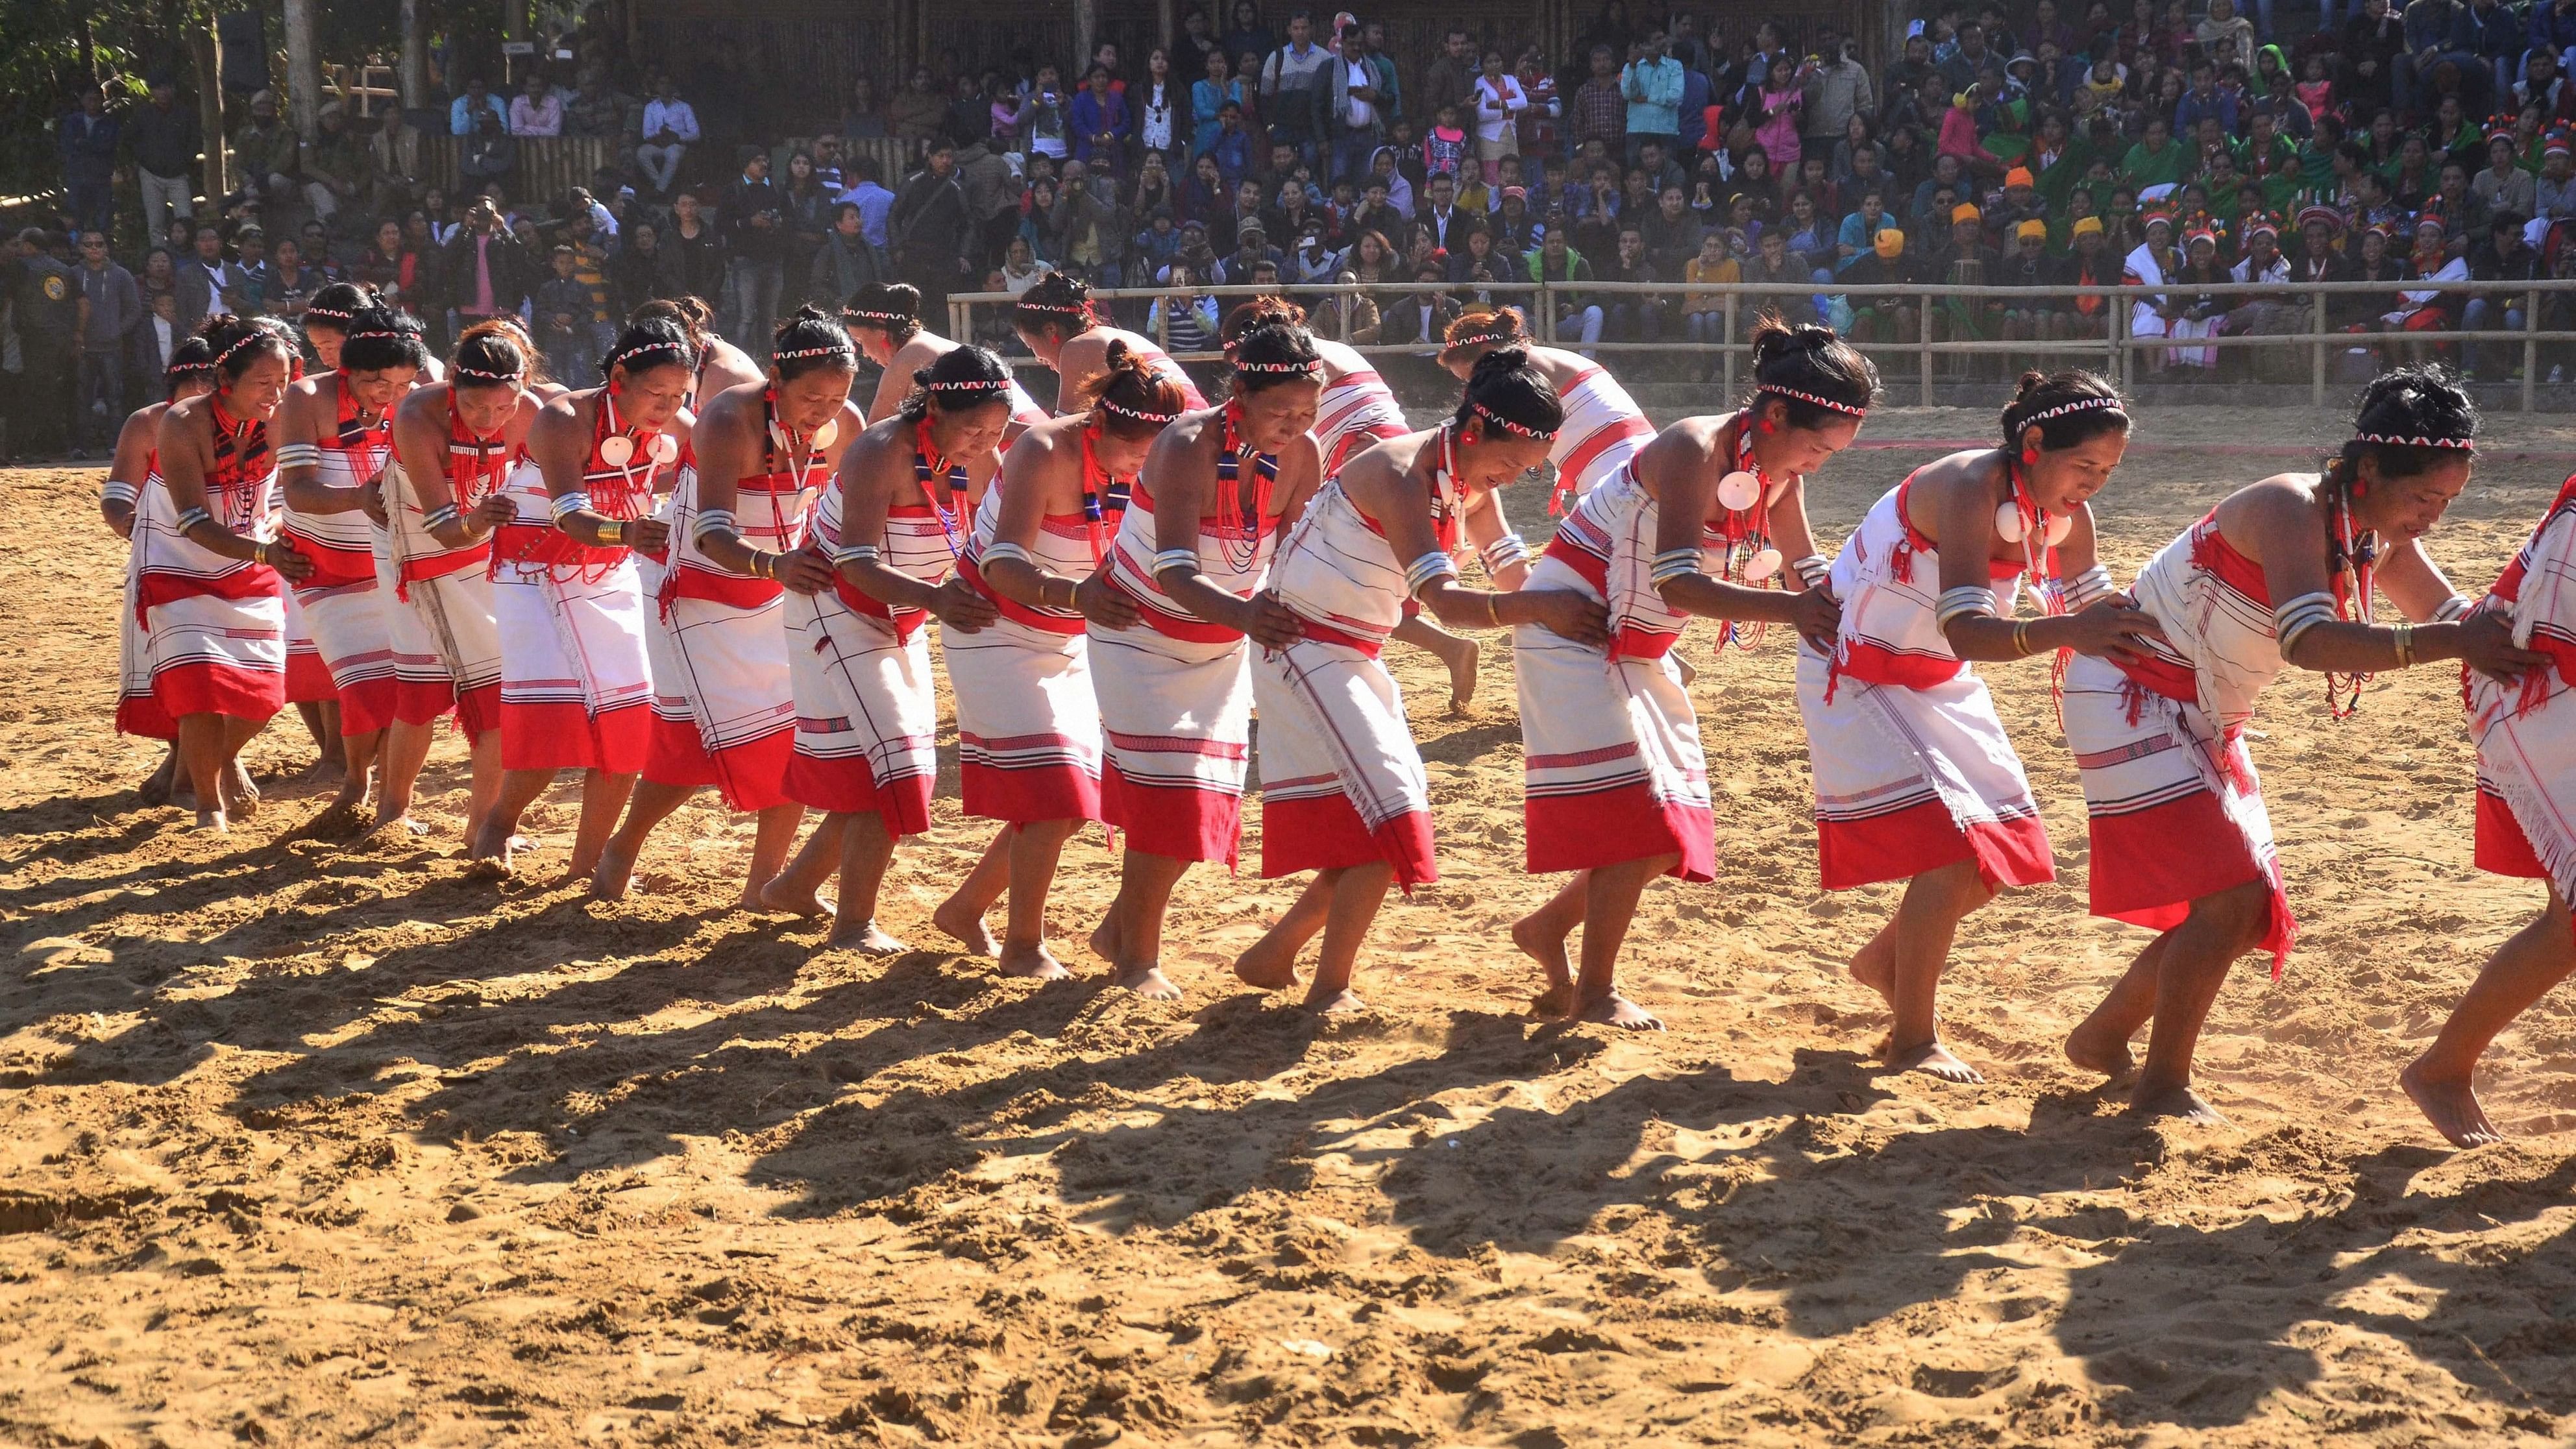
pixel 2112 348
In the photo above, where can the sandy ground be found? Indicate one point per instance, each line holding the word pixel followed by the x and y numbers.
pixel 305 1145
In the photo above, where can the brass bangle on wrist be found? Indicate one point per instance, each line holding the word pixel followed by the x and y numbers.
pixel 2405 645
pixel 2021 639
pixel 1493 610
pixel 612 532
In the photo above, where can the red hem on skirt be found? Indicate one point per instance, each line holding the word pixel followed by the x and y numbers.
pixel 419 703
pixel 1029 794
pixel 186 689
pixel 1622 823
pixel 751 776
pixel 1172 820
pixel 142 715
pixel 2502 847
pixel 1324 832
pixel 2150 865
pixel 368 705
pixel 848 787
pixel 478 711
pixel 1906 843
pixel 308 679
pixel 552 736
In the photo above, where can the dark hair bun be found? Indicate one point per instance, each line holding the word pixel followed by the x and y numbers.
pixel 1505 385
pixel 2078 405
pixel 1796 363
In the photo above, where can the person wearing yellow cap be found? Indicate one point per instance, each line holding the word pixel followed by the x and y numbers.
pixel 1886 263
pixel 2035 314
pixel 2092 263
pixel 1966 261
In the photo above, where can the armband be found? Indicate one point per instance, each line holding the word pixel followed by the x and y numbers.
pixel 1423 571
pixel 191 517
pixel 1815 570
pixel 612 533
pixel 855 553
pixel 1175 558
pixel 1962 602
pixel 2081 590
pixel 2299 615
pixel 1002 549
pixel 116 492
pixel 1674 563
pixel 1504 552
pixel 2453 610
pixel 569 504
pixel 298 455
pixel 440 517
pixel 713 520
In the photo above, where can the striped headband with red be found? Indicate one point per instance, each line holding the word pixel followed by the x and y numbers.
pixel 2082 404
pixel 2392 440
pixel 256 336
pixel 1507 425
pixel 1807 397
pixel 972 384
pixel 1075 309
pixel 1138 414
pixel 678 353
pixel 329 312
pixel 865 315
pixel 1306 369
pixel 363 336
pixel 839 350
pixel 190 367
pixel 488 376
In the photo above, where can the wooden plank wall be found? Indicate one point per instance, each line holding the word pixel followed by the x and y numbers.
pixel 549 166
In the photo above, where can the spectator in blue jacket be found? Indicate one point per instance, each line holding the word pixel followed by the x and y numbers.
pixel 460 112
pixel 88 139
pixel 2553 28
pixel 1099 121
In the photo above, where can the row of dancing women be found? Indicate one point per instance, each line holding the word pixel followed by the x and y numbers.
pixel 697 574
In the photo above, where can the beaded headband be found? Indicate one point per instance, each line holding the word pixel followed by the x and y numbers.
pixel 837 350
pixel 1303 369
pixel 972 384
pixel 2080 405
pixel 1075 309
pixel 1507 425
pixel 679 351
pixel 1807 397
pixel 190 367
pixel 867 316
pixel 512 376
pixel 256 336
pixel 1105 405
pixel 1481 337
pixel 329 312
pixel 363 336
pixel 2392 440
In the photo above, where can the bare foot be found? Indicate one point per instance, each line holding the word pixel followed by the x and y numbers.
pixel 326 771
pixel 961 921
pixel 1335 1003
pixel 2178 1102
pixel 1104 940
pixel 1033 961
pixel 1614 1009
pixel 1266 968
pixel 2091 1048
pixel 866 939
pixel 1548 950
pixel 1878 973
pixel 2451 1106
pixel 394 827
pixel 1148 982
pixel 1934 1060
pixel 491 859
pixel 155 790
pixel 1555 1003
pixel 343 816
pixel 241 796
pixel 211 822
pixel 1466 659
pixel 780 894
pixel 613 876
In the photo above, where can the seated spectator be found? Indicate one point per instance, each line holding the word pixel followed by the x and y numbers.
pixel 489 154
pixel 268 153
pixel 1883 319
pixel 1576 312
pixel 536 110
pixel 460 112
pixel 670 128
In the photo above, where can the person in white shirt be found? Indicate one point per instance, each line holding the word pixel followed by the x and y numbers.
pixel 670 129
pixel 1499 103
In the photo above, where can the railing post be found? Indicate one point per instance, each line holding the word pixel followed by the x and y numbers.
pixel 1927 350
pixel 1163 324
pixel 1728 349
pixel 1546 313
pixel 1342 301
pixel 2530 348
pixel 2317 359
pixel 961 320
pixel 2114 364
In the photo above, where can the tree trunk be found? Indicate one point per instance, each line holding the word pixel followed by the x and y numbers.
pixel 1086 26
pixel 206 53
pixel 413 79
pixel 303 69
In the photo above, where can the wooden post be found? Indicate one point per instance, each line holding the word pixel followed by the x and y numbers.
pixel 1731 300
pixel 303 69
pixel 2317 362
pixel 1169 29
pixel 1927 351
pixel 1086 26
pixel 2530 347
pixel 206 51
pixel 2116 365
pixel 414 73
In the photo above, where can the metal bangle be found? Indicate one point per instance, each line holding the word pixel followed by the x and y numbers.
pixel 2021 639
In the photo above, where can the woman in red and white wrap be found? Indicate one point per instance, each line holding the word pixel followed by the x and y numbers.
pixel 1699 523
pixel 1604 427
pixel 723 712
pixel 1359 411
pixel 2521 724
pixel 568 592
pixel 1915 778
pixel 132 473
pixel 1028 722
pixel 455 444
pixel 893 521
pixel 210 586
pixel 1055 319
pixel 335 436
pixel 309 686
pixel 2278 574
pixel 1175 692
pixel 884 321
pixel 1342 786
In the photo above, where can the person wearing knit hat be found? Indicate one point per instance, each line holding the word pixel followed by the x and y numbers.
pixel 2020 177
pixel 2033 316
pixel 1964 211
pixel 2268 315
pixel 2085 226
pixel 1966 261
pixel 1886 262
pixel 2152 263
pixel 1889 243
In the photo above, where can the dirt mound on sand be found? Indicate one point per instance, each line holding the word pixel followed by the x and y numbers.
pixel 306 1144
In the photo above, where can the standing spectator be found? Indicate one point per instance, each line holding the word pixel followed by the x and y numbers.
pixel 846 261
pixel 536 110
pixel 670 128
pixel 111 309
pixel 693 252
pixel 1198 42
pixel 1099 120
pixel 47 305
pixel 809 207
pixel 1040 121
pixel 163 139
pixel 562 310
pixel 970 113
pixel 1216 89
pixel 252 275
pixel 1244 32
pixel 1600 110
pixel 755 224
pixel 391 148
pixel 205 280
pixel 635 273
pixel 389 267
pixel 460 112
pixel 485 266
pixel 1652 87
pixel 1451 78
pixel 147 357
pixel 292 283
pixel 1360 110
pixel 1294 86
pixel 867 192
pixel 266 151
pixel 931 230
pixel 1837 92
pixel 1161 107
pixel 917 113
pixel 1499 102
pixel 1539 123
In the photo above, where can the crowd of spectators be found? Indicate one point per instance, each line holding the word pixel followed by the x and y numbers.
pixel 2022 145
